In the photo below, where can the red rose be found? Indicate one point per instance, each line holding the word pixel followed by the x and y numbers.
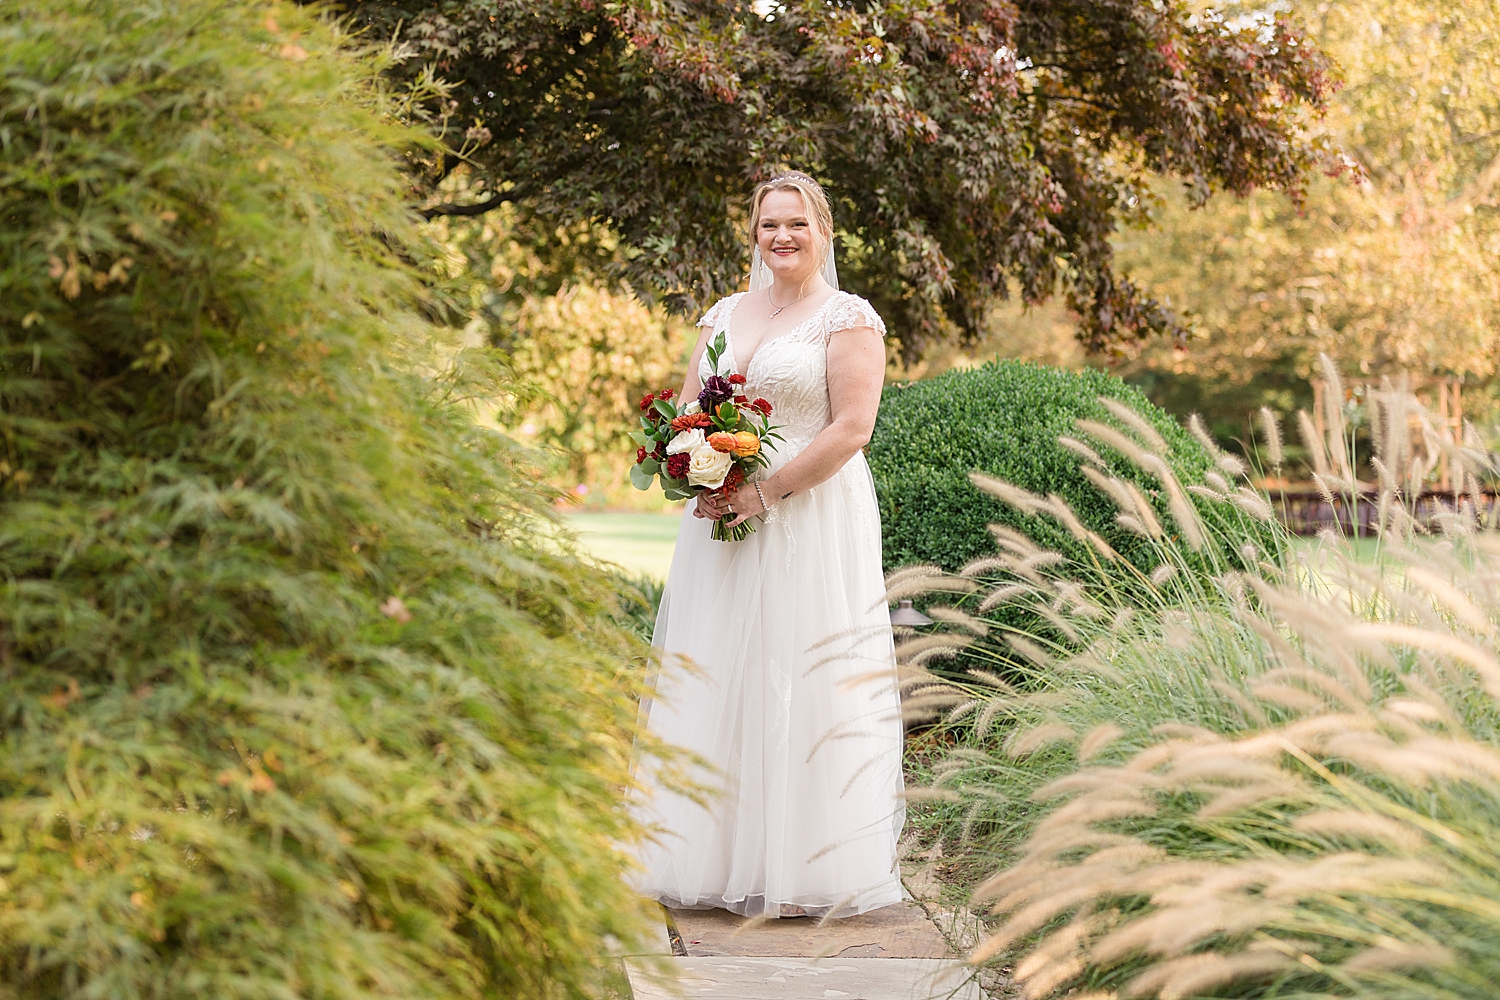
pixel 647 400
pixel 736 380
pixel 677 465
pixel 664 394
pixel 762 404
pixel 640 455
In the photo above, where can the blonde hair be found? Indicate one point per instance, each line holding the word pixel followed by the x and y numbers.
pixel 813 198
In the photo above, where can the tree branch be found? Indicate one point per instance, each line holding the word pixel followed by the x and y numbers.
pixel 1085 101
pixel 477 208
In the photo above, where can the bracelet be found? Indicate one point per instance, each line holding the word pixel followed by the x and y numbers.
pixel 765 507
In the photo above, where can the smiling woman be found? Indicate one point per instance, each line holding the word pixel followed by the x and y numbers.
pixel 789 219
pixel 792 703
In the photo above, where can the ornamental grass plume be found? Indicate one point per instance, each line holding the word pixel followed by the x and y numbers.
pixel 292 700
pixel 1276 781
pixel 1039 610
pixel 1346 842
pixel 1270 429
pixel 1317 448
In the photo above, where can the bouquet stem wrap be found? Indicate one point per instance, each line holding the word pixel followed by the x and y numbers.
pixel 723 532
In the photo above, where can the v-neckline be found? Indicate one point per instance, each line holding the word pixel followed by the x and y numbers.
pixel 729 332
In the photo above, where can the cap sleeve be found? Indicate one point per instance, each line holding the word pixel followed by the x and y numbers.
pixel 718 311
pixel 851 312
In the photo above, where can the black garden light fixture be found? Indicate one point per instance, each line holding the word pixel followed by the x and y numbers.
pixel 905 614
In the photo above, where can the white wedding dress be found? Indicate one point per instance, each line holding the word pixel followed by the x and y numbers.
pixel 779 676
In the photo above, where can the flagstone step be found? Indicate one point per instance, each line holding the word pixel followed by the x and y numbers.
pixel 756 978
pixel 898 931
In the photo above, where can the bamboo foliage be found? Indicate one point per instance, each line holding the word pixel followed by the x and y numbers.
pixel 292 701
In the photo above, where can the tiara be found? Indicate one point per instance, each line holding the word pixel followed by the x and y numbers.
pixel 792 175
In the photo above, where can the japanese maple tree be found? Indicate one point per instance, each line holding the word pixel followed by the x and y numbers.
pixel 973 147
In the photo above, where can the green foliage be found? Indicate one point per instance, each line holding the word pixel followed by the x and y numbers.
pixel 1003 418
pixel 641 599
pixel 1146 502
pixel 291 700
pixel 966 143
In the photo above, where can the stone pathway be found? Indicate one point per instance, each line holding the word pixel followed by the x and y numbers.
pixel 894 953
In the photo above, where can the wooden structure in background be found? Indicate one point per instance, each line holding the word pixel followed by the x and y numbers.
pixel 1305 511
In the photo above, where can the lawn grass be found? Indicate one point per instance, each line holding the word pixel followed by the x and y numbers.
pixel 640 543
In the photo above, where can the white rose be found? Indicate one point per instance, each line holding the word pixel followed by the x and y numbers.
pixel 687 440
pixel 692 407
pixel 709 467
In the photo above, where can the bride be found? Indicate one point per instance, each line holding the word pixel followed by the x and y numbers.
pixel 779 675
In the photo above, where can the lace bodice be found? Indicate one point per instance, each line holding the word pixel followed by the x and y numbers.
pixel 791 370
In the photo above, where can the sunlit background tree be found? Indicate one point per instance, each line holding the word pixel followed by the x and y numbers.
pixel 1399 271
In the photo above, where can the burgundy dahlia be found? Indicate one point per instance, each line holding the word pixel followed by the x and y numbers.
pixel 715 391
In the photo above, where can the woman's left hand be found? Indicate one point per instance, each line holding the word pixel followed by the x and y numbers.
pixel 745 504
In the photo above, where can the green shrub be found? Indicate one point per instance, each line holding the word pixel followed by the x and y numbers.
pixel 291 704
pixel 640 600
pixel 1002 418
pixel 1079 469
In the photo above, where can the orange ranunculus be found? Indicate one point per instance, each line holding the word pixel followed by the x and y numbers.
pixel 746 443
pixel 722 441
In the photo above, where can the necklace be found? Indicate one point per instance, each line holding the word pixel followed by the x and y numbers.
pixel 779 309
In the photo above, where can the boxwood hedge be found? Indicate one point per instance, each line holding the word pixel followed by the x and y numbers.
pixel 1004 418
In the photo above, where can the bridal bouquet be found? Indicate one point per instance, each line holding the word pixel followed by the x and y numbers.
pixel 710 444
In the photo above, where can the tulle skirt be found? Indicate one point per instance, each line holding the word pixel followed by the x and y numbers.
pixel 778 675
